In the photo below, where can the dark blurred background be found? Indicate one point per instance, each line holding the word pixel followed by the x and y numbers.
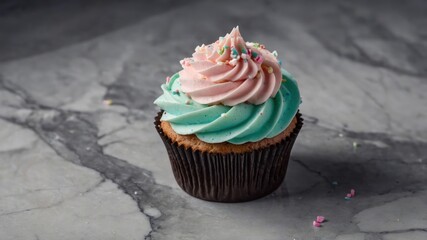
pixel 29 27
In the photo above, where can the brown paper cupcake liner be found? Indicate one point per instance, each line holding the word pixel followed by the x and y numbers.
pixel 229 177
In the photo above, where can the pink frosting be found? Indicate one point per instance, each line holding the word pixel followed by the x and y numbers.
pixel 231 71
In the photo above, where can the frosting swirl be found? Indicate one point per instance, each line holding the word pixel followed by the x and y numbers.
pixel 231 71
pixel 235 124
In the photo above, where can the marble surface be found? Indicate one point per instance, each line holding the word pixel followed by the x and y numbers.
pixel 73 167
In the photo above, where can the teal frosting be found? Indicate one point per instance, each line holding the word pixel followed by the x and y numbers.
pixel 235 124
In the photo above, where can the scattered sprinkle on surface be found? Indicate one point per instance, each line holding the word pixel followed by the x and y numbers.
pixel 316 224
pixel 108 102
pixel 320 219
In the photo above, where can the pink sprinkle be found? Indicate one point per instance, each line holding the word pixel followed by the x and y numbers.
pixel 259 59
pixel 168 79
pixel 348 195
pixel 352 192
pixel 320 219
pixel 184 62
pixel 316 224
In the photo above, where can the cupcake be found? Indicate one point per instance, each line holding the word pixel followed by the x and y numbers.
pixel 229 120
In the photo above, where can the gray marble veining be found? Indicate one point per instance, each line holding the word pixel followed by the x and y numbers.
pixel 74 167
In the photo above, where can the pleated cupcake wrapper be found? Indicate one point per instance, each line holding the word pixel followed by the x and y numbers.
pixel 229 177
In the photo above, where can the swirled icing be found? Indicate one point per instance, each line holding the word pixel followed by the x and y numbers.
pixel 231 71
pixel 235 124
pixel 230 91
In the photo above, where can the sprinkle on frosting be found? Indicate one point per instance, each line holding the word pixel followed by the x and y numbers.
pixel 226 72
pixel 230 91
pixel 221 51
pixel 275 53
pixel 213 123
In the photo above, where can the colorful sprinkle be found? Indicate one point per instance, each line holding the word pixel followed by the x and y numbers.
pixel 244 56
pixel 270 70
pixel 221 51
pixel 234 53
pixel 348 195
pixel 275 53
pixel 259 59
pixel 168 79
pixel 184 62
pixel 320 219
pixel 176 92
pixel 256 45
pixel 352 192
pixel 242 49
pixel 316 224
pixel 284 79
pixel 249 44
